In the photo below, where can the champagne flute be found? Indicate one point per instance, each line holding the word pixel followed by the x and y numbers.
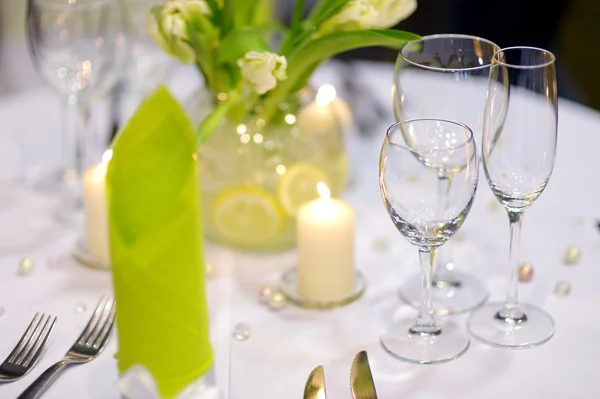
pixel 414 154
pixel 444 76
pixel 76 46
pixel 519 149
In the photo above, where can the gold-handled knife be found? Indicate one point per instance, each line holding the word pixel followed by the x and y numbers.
pixel 315 385
pixel 361 378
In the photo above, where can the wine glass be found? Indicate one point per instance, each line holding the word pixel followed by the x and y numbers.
pixel 519 149
pixel 444 76
pixel 414 153
pixel 77 46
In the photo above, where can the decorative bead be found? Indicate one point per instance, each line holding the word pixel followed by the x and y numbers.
pixel 209 269
pixel 562 288
pixel 380 244
pixel 80 307
pixel 241 331
pixel 525 272
pixel 572 255
pixel 493 205
pixel 265 293
pixel 277 301
pixel 26 266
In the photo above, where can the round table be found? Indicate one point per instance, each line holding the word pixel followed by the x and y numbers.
pixel 286 345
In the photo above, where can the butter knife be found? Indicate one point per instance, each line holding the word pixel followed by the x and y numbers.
pixel 315 385
pixel 361 379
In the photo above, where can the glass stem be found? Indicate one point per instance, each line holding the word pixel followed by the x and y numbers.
pixel 425 324
pixel 511 311
pixel 442 276
pixel 80 143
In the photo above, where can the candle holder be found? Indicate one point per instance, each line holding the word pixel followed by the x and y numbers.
pixel 82 255
pixel 288 285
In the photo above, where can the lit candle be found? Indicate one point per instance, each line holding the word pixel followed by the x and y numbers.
pixel 325 248
pixel 95 209
pixel 328 113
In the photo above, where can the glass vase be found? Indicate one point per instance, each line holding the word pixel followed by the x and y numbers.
pixel 256 173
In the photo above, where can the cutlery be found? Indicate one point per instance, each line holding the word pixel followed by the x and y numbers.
pixel 315 385
pixel 361 378
pixel 88 346
pixel 29 348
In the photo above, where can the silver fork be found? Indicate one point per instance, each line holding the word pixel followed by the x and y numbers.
pixel 29 348
pixel 88 346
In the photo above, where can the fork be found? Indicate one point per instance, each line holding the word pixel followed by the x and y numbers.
pixel 29 348
pixel 87 347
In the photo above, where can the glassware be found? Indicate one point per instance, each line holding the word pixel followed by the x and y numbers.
pixel 444 76
pixel 148 65
pixel 75 46
pixel 254 175
pixel 415 153
pixel 519 149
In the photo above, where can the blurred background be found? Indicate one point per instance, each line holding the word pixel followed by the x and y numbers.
pixel 569 28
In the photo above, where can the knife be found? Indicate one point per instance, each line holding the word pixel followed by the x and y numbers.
pixel 315 385
pixel 361 379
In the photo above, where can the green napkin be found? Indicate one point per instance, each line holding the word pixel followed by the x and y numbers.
pixel 156 246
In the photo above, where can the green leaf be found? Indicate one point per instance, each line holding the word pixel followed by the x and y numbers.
pixel 204 58
pixel 325 9
pixel 212 121
pixel 239 41
pixel 303 61
pixel 156 246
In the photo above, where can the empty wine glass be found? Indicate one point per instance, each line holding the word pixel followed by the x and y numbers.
pixel 519 149
pixel 444 76
pixel 414 154
pixel 77 46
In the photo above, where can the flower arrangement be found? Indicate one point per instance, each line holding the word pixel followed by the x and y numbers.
pixel 250 61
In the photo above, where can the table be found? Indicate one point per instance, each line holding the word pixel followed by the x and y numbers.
pixel 284 346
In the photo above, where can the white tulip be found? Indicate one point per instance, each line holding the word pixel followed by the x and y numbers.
pixel 391 12
pixel 261 71
pixel 356 14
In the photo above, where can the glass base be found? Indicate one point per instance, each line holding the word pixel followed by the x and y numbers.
pixel 457 293
pixel 451 343
pixel 288 285
pixel 487 327
pixel 83 257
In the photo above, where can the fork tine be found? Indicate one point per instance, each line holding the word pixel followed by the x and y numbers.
pixel 92 321
pixel 40 343
pixel 24 338
pixel 33 339
pixel 104 333
pixel 99 323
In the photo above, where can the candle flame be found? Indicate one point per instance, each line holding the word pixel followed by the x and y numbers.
pixel 107 156
pixel 323 190
pixel 325 95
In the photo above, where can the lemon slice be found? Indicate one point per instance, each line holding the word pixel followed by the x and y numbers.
pixel 247 216
pixel 299 185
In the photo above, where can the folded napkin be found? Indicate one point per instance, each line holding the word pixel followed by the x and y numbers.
pixel 137 383
pixel 156 246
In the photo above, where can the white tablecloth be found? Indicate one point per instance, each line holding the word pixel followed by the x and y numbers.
pixel 284 346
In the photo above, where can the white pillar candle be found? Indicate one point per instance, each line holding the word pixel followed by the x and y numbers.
pixel 325 249
pixel 95 209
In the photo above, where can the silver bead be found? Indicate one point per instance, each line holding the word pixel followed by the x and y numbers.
pixel 241 331
pixel 265 293
pixel 525 272
pixel 562 288
pixel 572 255
pixel 277 301
pixel 80 307
pixel 26 266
